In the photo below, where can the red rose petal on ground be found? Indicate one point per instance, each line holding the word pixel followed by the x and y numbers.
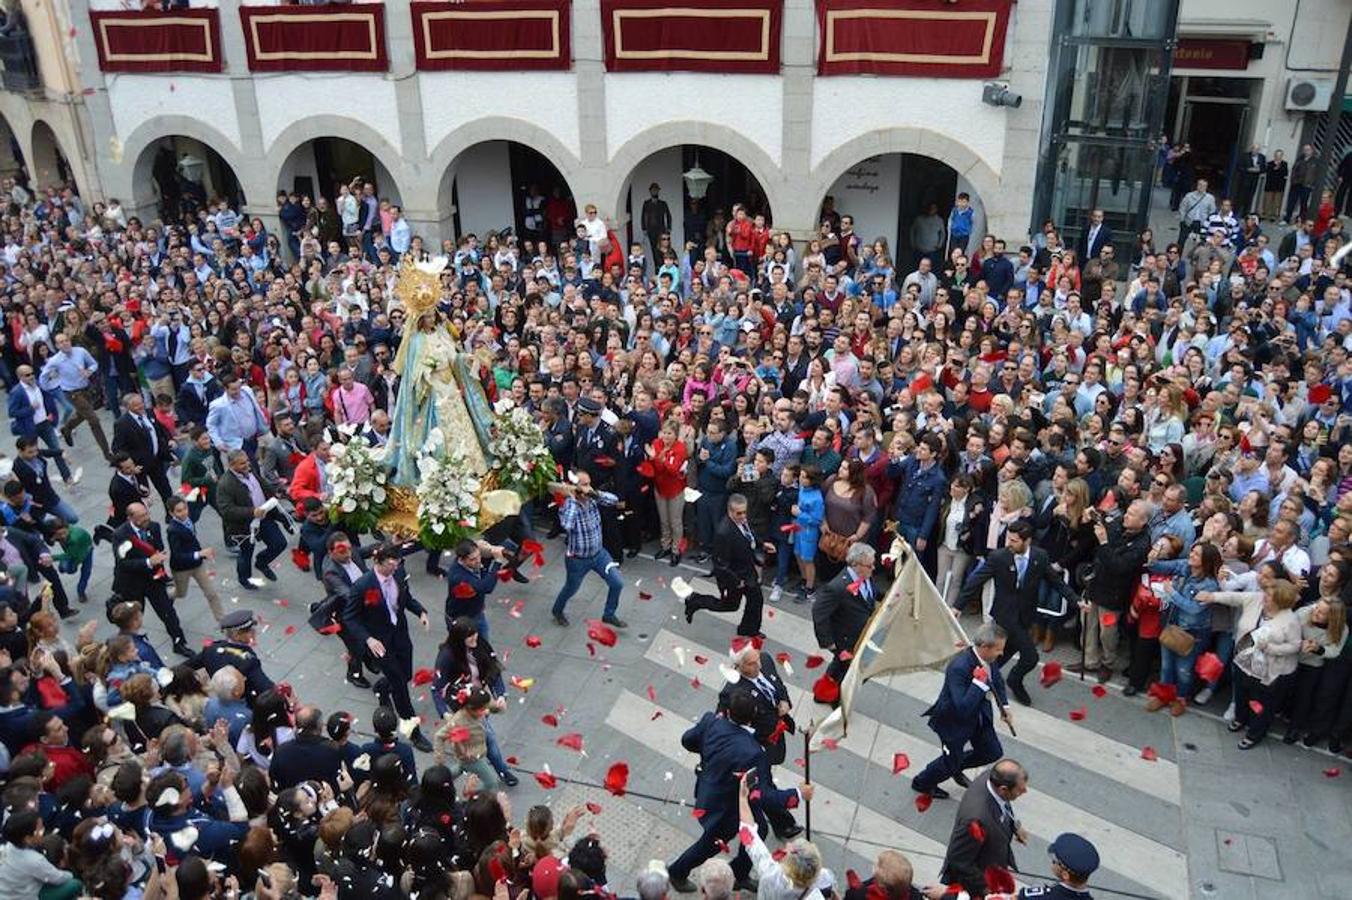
pixel 657 714
pixel 289 630
pixel 282 603
pixel 697 813
pixel 591 649
pixel 572 740
pixel 694 683
pixel 617 778
pixel 644 595
pixel 593 808
pixel 830 743
pixel 515 611
pixel 923 802
pixel 1256 707
pixel 826 690
pixel 533 641
pixel 550 719
pixel 511 760
pixel 1332 772
pixel 423 676
pixel 602 633
pixel 814 660
pixel 652 693
pixel 976 831
pixel 700 660
pixel 1051 674
pixel 783 657
pixel 546 780
pixel 1099 691
pixel 1077 715
pixel 900 763
pixel 1150 754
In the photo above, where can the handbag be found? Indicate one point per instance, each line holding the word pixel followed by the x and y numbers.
pixel 833 545
pixel 1179 640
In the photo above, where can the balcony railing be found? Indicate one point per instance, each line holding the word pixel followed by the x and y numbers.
pixel 18 62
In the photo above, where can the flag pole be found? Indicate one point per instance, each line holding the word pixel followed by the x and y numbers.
pixel 807 777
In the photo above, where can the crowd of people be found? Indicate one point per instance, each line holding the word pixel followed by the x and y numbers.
pixel 1142 449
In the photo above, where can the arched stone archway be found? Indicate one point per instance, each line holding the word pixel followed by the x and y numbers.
pixel 49 164
pixel 506 156
pixel 706 134
pixel 12 162
pixel 283 151
pixel 133 180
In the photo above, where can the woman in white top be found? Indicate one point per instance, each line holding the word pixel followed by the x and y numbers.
pixel 956 537
pixel 1267 649
pixel 1323 631
pixel 798 875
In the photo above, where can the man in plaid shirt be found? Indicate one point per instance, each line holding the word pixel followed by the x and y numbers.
pixel 580 519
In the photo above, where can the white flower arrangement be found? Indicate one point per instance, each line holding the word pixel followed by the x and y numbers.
pixel 524 463
pixel 357 479
pixel 448 493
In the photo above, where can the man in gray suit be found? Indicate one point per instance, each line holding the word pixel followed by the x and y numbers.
pixel 985 828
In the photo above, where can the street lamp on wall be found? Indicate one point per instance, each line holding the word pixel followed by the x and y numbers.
pixel 697 180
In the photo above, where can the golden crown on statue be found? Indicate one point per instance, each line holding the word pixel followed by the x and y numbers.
pixel 419 285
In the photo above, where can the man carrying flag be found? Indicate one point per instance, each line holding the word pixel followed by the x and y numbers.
pixel 962 713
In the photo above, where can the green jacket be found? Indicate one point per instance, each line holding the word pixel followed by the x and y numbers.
pixel 201 469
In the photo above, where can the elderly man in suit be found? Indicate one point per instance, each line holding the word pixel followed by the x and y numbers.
pixel 141 573
pixel 146 441
pixel 343 565
pixel 985 829
pixel 962 713
pixel 376 615
pixel 1019 571
pixel 242 502
pixel 843 607
pixel 727 749
pixel 773 723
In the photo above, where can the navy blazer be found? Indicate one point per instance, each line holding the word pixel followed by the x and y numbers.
pixel 184 546
pixel 362 620
pixel 726 749
pixel 23 417
pixel 191 408
pixel 36 480
pixel 962 708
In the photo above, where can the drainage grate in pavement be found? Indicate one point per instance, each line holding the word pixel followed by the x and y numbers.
pixel 1248 854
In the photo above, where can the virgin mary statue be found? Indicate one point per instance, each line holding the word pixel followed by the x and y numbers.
pixel 438 387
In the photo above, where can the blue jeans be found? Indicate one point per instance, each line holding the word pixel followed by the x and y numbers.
pixel 67 567
pixel 494 752
pixel 46 431
pixel 577 569
pixel 64 510
pixel 64 408
pixel 783 558
pixel 1178 670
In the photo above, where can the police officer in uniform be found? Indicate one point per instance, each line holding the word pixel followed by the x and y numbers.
pixel 596 451
pixel 1073 860
pixel 236 649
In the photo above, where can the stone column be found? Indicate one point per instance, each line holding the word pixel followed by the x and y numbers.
pixel 1026 58
pixel 93 105
pixel 798 71
pixel 596 183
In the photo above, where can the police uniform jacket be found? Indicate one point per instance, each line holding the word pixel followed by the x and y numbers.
pixel 219 654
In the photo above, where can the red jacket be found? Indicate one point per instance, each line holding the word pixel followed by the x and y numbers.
pixel 669 474
pixel 305 481
pixel 67 761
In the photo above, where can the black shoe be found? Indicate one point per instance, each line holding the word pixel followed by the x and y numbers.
pixel 936 792
pixel 84 598
pixel 962 781
pixel 420 741
pixel 662 554
pixel 675 560
pixel 102 533
pixel 561 620
pixel 266 571
pixel 519 578
pixel 65 436
pixel 1335 745
pixel 1020 694
pixel 358 679
pixel 631 553
pixel 247 585
pixel 435 571
pixel 615 621
pixel 689 613
pixel 1311 740
pixel 69 613
pixel 181 648
pixel 1130 691
pixel 700 557
pixel 750 885
pixel 790 833
pixel 509 779
pixel 1290 737
pixel 683 886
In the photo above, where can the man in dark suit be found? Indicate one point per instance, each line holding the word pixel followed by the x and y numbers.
pixel 772 723
pixel 1019 571
pixel 962 713
pixel 309 756
pixel 31 470
pixel 1095 236
pixel 141 573
pixel 196 394
pixel 123 490
pixel 737 558
pixel 843 607
pixel 342 566
pixel 376 616
pixel 188 559
pixel 727 748
pixel 146 441
pixel 242 500
pixel 985 827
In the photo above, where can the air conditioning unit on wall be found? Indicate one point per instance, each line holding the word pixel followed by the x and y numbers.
pixel 1308 94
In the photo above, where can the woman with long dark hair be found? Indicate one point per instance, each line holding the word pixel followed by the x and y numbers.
pixel 466 661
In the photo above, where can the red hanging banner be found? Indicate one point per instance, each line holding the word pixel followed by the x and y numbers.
pixel 912 37
pixel 492 34
pixel 740 36
pixel 340 37
pixel 185 40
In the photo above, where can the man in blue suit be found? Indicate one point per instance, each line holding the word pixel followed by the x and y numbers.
pixel 962 715
pixel 727 748
pixel 33 413
pixel 376 615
